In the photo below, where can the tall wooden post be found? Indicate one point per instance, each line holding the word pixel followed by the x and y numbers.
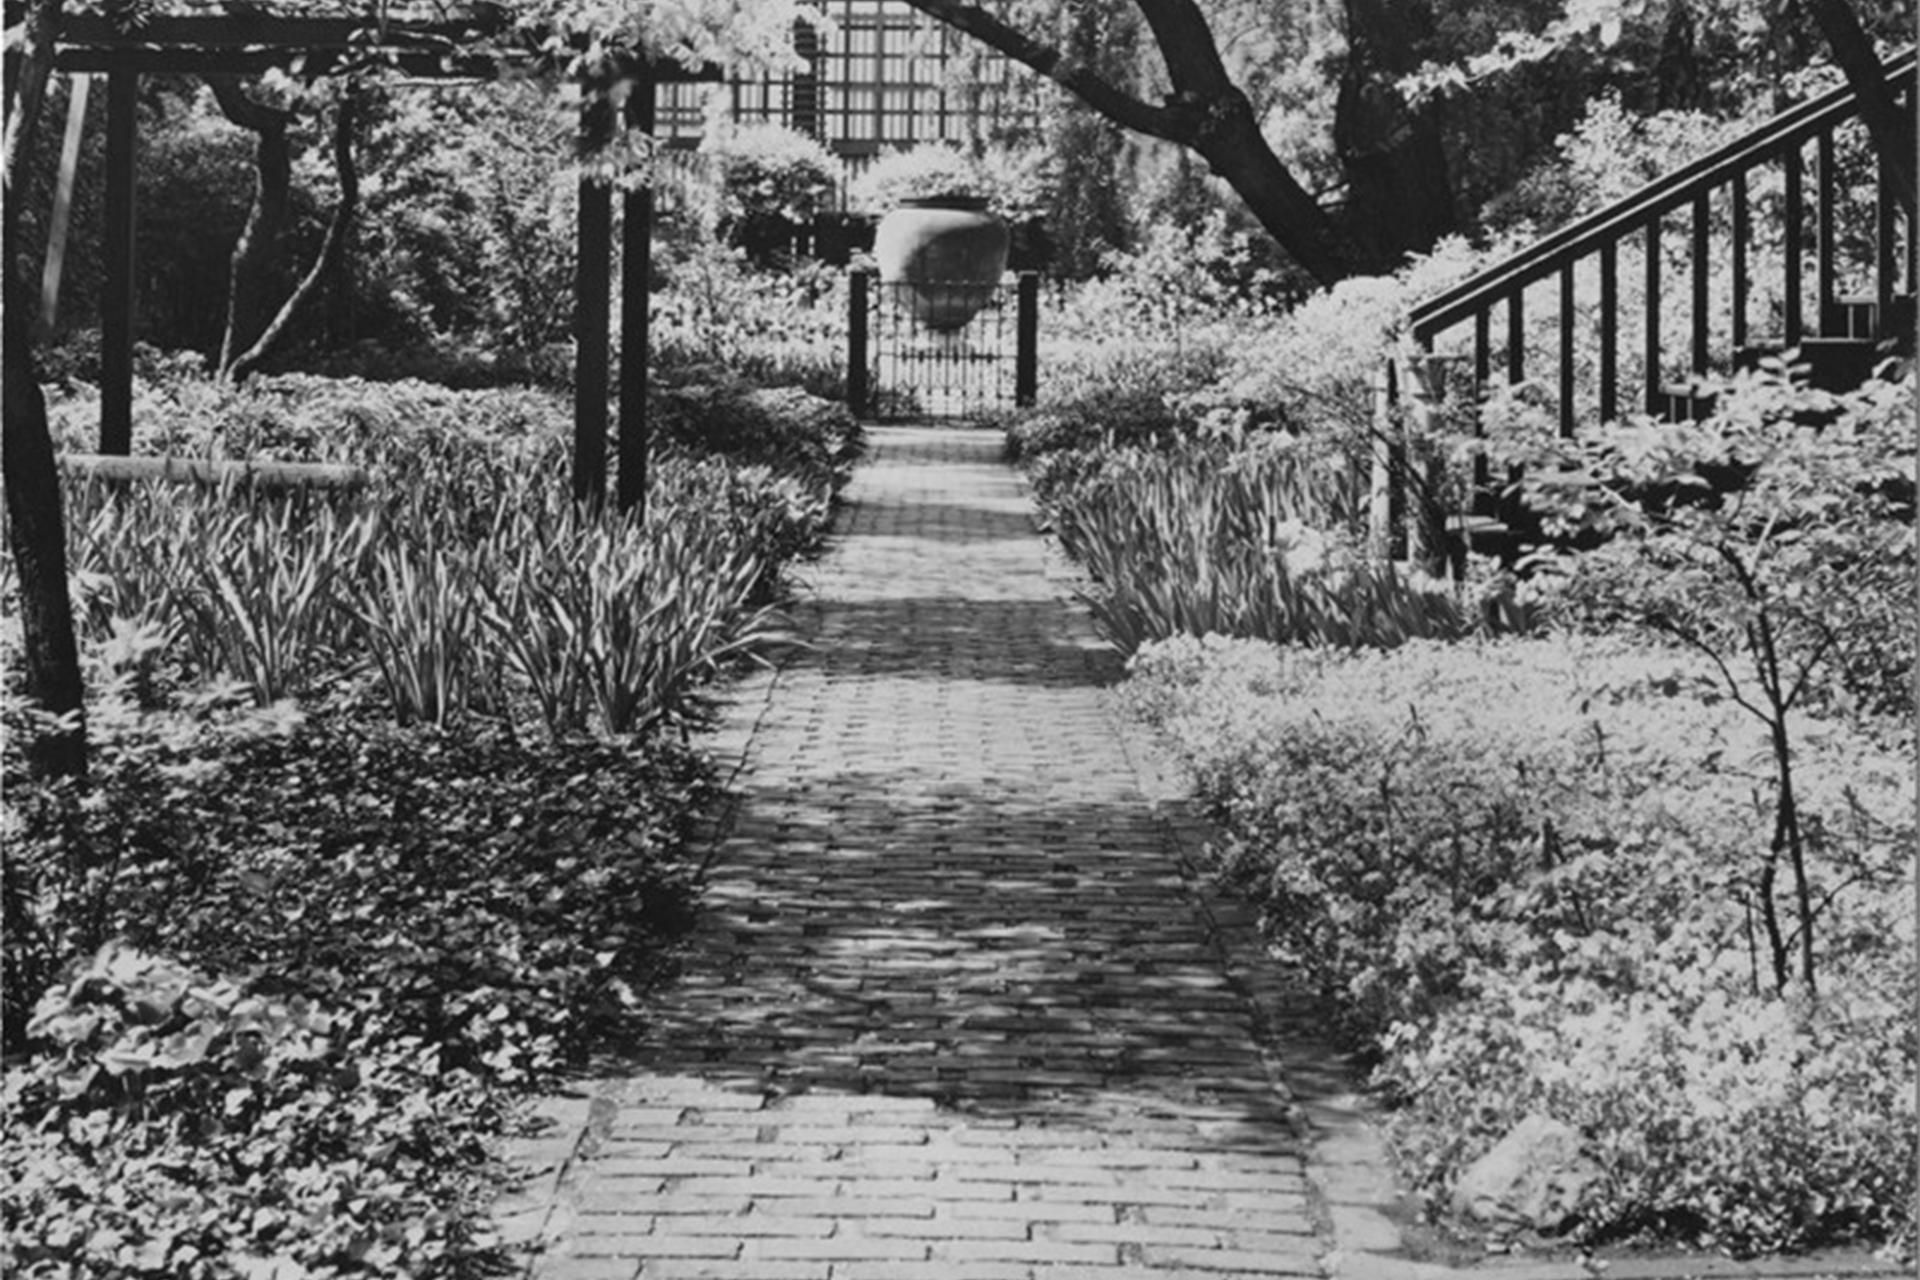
pixel 118 297
pixel 636 272
pixel 1026 350
pixel 1426 516
pixel 1380 487
pixel 859 393
pixel 592 306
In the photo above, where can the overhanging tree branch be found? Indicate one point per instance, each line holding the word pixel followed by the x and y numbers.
pixel 1206 113
pixel 1109 100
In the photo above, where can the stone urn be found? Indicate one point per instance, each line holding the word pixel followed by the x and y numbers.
pixel 945 254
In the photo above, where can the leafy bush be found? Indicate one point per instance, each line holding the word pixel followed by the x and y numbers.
pixel 814 440
pixel 783 327
pixel 1520 871
pixel 1311 369
pixel 771 174
pixel 1813 531
pixel 1015 184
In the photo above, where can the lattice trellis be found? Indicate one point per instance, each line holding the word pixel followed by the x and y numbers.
pixel 881 76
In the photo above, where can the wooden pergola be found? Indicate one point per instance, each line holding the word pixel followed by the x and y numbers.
pixel 466 43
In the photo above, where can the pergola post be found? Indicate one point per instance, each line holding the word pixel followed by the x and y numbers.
pixel 636 313
pixel 118 296
pixel 592 305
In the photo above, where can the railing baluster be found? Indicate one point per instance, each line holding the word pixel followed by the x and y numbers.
pixel 1516 336
pixel 1790 160
pixel 1702 214
pixel 1651 343
pixel 1566 351
pixel 1482 375
pixel 1609 331
pixel 1742 239
pixel 1910 259
pixel 1825 229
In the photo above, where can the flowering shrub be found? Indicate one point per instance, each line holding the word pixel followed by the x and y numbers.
pixel 1519 871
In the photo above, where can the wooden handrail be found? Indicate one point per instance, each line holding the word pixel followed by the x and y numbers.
pixel 1578 239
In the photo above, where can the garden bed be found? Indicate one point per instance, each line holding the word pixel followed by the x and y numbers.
pixel 1526 836
pixel 389 817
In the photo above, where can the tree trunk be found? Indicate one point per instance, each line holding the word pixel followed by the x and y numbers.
pixel 1399 195
pixel 1891 128
pixel 332 249
pixel 249 282
pixel 35 524
pixel 1678 83
pixel 1228 135
pixel 37 533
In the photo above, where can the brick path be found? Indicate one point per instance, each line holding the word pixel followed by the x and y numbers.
pixel 951 1011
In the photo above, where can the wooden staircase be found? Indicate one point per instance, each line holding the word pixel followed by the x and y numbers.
pixel 1790 245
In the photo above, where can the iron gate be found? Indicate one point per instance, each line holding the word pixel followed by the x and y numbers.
pixel 911 357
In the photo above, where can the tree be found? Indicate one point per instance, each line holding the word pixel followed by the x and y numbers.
pixel 1890 127
pixel 254 327
pixel 35 522
pixel 1758 31
pixel 1391 149
pixel 1204 111
pixel 1791 585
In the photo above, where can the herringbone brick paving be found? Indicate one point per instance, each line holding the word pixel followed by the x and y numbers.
pixel 951 1011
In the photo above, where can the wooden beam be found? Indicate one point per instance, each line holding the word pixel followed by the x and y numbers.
pixel 636 278
pixel 118 296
